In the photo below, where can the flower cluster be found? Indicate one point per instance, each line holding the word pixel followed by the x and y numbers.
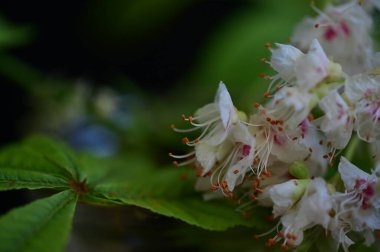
pixel 323 99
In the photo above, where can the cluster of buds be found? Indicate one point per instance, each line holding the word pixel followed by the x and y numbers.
pixel 326 99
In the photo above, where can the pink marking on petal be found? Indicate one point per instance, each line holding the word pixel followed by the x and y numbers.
pixel 246 150
pixel 330 34
pixel 345 28
pixel 280 140
pixel 369 191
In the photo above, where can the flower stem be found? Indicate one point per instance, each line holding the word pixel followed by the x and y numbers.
pixel 349 154
pixel 350 151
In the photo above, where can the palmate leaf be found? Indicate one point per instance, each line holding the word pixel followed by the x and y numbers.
pixel 38 162
pixel 43 225
pixel 164 192
pixel 42 163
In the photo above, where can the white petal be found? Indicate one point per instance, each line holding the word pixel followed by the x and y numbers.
pixel 313 67
pixel 337 123
pixel 286 194
pixel 350 173
pixel 237 171
pixel 356 86
pixel 206 156
pixel 283 60
pixel 225 105
pixel 207 113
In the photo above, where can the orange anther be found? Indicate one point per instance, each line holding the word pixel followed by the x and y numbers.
pixel 267 95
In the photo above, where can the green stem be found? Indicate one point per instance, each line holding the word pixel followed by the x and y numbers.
pixel 350 151
pixel 349 154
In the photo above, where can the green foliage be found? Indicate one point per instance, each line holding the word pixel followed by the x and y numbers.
pixel 40 162
pixel 43 225
pixel 36 163
pixel 165 193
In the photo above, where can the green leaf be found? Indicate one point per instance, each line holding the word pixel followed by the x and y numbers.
pixel 164 192
pixel 41 226
pixel 38 162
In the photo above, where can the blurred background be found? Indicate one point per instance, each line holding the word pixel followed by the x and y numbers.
pixel 109 77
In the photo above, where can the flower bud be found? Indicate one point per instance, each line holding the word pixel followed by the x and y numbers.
pixel 299 170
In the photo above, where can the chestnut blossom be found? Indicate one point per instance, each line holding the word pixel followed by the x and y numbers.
pixel 357 209
pixel 299 69
pixel 275 141
pixel 344 33
pixel 363 92
pixel 301 205
pixel 337 122
pixel 225 147
pixel 283 155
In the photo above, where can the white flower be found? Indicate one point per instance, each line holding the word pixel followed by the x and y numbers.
pixel 228 163
pixel 284 59
pixel 275 141
pixel 291 105
pixel 344 33
pixel 305 70
pixel 285 195
pixel 337 122
pixel 216 121
pixel 302 204
pixel 224 150
pixel 363 92
pixel 239 161
pixel 357 209
pixel 217 118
